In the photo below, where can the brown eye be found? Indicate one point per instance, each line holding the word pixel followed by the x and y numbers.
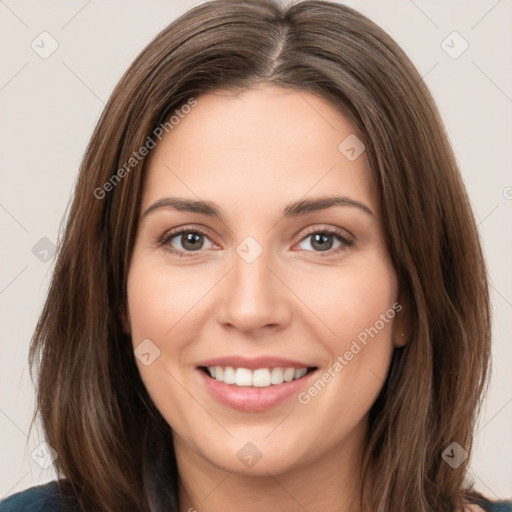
pixel 327 240
pixel 186 241
pixel 322 241
pixel 191 241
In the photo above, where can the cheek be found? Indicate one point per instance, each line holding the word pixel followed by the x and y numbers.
pixel 342 304
pixel 351 299
pixel 331 306
pixel 154 310
pixel 161 305
pixel 160 298
pixel 359 307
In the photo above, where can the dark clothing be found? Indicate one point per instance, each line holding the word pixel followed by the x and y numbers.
pixel 46 498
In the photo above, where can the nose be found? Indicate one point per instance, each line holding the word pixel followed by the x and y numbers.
pixel 253 297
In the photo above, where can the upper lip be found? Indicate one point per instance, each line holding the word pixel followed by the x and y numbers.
pixel 253 363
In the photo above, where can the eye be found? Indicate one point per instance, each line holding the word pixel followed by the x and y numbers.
pixel 185 240
pixel 323 240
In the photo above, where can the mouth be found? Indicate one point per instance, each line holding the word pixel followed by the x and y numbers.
pixel 254 385
pixel 258 378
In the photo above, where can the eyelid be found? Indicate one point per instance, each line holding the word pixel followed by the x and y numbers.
pixel 346 238
pixel 333 230
pixel 169 235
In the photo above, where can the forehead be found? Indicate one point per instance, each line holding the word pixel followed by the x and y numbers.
pixel 266 142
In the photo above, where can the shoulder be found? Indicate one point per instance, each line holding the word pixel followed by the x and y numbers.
pixel 484 505
pixel 41 498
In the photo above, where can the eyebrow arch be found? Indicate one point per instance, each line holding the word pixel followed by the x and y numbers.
pixel 295 209
pixel 312 205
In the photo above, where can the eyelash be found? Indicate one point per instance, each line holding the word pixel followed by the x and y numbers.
pixel 337 233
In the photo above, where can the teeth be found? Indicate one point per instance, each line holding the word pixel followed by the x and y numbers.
pixel 288 374
pixel 300 373
pixel 260 378
pixel 276 376
pixel 229 375
pixel 243 377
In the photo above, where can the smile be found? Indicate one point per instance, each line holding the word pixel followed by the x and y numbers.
pixel 253 384
pixel 260 378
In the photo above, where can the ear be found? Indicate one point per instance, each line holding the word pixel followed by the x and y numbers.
pixel 402 324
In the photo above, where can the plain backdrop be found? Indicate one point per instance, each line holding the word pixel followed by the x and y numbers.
pixel 49 105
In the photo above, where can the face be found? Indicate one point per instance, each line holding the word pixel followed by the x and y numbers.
pixel 263 327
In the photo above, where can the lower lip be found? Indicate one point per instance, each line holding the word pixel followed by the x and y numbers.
pixel 253 399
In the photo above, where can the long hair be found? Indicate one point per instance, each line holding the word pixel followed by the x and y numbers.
pixel 114 447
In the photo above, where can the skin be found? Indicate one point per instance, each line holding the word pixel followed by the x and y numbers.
pixel 252 153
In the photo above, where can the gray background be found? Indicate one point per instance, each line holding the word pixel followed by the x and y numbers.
pixel 49 107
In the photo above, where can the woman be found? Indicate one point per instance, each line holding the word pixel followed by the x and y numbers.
pixel 261 298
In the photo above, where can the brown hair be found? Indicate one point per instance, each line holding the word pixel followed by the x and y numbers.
pixel 114 448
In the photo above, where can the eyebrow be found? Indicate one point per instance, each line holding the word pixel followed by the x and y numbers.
pixel 295 209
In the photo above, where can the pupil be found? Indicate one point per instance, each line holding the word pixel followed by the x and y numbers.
pixel 322 239
pixel 191 240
